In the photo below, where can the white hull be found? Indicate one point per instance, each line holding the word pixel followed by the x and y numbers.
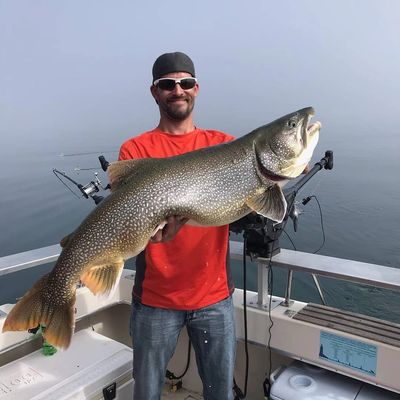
pixel 291 339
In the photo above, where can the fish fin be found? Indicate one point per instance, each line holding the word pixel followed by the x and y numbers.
pixel 33 309
pixel 271 203
pixel 119 172
pixel 101 279
pixel 66 239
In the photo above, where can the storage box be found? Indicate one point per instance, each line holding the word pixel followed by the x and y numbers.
pixel 301 381
pixel 369 392
pixel 92 363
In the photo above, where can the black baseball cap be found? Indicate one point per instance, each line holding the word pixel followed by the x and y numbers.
pixel 172 62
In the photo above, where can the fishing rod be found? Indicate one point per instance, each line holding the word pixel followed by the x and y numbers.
pixel 85 153
pixel 90 189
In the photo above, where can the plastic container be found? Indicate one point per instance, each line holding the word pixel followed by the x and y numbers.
pixel 301 381
pixel 369 392
pixel 92 363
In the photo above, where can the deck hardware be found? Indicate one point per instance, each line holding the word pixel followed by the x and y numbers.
pixel 262 299
pixel 290 313
pixel 110 391
pixel 286 303
pixel 318 286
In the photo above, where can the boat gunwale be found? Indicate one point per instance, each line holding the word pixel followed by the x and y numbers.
pixel 332 267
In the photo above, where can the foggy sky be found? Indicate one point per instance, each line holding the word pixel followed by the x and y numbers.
pixel 74 72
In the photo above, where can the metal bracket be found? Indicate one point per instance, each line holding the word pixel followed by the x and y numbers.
pixel 262 300
pixel 290 313
pixel 253 302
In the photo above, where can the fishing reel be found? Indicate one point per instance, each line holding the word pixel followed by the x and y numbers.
pixel 90 189
pixel 262 234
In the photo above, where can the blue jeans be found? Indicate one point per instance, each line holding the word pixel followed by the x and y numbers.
pixel 155 333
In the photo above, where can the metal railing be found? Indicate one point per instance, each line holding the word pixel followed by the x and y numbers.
pixel 332 267
pixel 29 259
pixel 348 270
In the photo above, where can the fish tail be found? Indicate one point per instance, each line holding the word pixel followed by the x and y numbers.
pixel 34 309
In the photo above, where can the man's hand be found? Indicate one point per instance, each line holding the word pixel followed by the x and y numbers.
pixel 168 232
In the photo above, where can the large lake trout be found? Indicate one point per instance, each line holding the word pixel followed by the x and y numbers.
pixel 211 187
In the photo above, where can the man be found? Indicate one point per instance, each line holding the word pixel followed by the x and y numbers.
pixel 184 281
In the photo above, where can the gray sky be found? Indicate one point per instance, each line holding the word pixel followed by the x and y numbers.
pixel 74 72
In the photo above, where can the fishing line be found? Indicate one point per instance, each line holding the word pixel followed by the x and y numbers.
pixel 56 172
pixel 304 202
pixel 322 226
pixel 267 382
pixel 290 239
pixel 86 154
pixel 85 169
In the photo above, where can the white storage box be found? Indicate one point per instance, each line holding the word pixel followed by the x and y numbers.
pixel 369 392
pixel 301 381
pixel 91 363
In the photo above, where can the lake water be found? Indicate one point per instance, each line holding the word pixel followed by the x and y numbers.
pixel 359 198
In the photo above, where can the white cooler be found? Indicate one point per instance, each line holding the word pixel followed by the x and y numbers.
pixel 369 392
pixel 302 381
pixel 92 363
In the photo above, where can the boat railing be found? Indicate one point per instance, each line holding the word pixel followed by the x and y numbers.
pixel 319 265
pixel 29 259
pixel 343 269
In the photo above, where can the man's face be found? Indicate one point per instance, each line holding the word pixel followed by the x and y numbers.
pixel 178 103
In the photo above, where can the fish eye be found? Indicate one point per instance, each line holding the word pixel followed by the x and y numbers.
pixel 292 123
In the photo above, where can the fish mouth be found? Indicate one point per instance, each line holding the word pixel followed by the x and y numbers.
pixel 310 134
pixel 314 127
pixel 309 129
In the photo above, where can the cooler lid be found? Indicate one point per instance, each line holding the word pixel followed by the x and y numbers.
pixel 90 363
pixel 301 381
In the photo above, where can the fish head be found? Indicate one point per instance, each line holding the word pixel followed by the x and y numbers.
pixel 284 147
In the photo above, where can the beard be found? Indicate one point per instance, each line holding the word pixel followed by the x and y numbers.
pixel 178 112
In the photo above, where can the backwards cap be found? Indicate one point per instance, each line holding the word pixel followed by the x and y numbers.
pixel 172 62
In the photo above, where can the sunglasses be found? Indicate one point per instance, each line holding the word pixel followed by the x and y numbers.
pixel 170 83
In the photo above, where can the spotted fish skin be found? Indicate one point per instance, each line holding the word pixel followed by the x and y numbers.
pixel 211 187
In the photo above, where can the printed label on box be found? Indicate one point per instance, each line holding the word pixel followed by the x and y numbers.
pixel 23 377
pixel 350 353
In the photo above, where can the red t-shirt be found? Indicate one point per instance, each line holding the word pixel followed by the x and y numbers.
pixel 192 270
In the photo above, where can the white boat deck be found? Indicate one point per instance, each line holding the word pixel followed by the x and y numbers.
pixel 286 340
pixel 181 394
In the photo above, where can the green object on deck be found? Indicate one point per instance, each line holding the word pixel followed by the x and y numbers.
pixel 47 348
